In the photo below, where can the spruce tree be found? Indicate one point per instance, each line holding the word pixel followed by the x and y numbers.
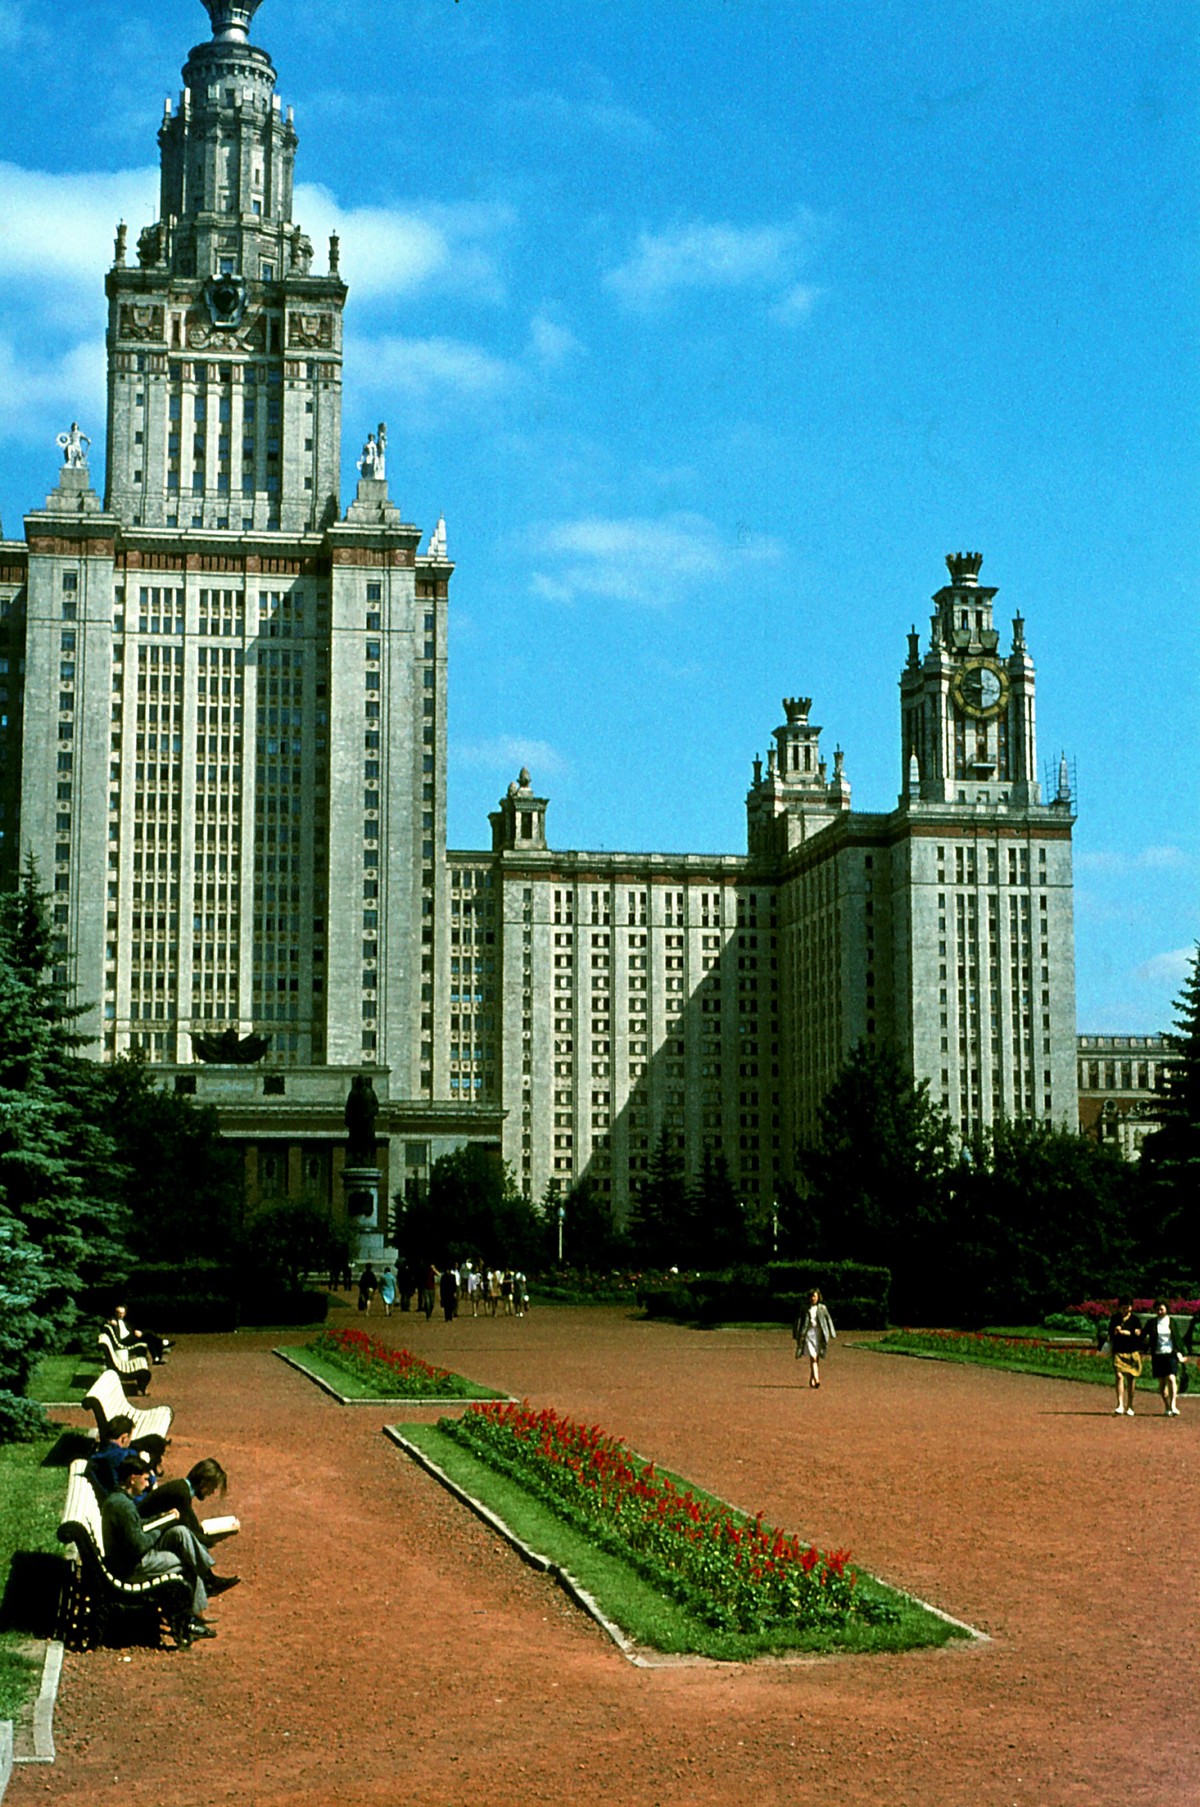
pixel 1171 1157
pixel 661 1231
pixel 877 1175
pixel 63 1225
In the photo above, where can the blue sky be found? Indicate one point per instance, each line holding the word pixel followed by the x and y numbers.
pixel 711 328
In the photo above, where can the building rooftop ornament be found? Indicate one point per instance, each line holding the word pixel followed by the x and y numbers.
pixel 964 567
pixel 373 463
pixel 437 539
pixel 74 446
pixel 231 19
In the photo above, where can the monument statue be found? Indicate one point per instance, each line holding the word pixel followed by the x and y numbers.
pixel 373 463
pixel 368 464
pixel 362 1107
pixel 74 446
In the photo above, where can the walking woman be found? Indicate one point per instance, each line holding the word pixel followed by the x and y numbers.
pixel 813 1331
pixel 1166 1353
pixel 1125 1341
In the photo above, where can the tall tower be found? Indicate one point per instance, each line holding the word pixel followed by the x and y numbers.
pixel 966 713
pixel 982 900
pixel 224 349
pixel 233 752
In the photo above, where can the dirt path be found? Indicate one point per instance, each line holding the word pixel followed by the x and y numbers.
pixel 384 1648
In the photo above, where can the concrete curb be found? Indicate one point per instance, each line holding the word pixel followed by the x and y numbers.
pixel 584 1600
pixel 579 1595
pixel 43 1720
pixel 382 1399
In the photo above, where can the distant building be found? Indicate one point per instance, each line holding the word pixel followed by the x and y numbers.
pixel 1120 1088
pixel 226 747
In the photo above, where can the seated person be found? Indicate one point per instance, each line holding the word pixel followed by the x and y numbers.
pixel 134 1553
pixel 103 1467
pixel 202 1481
pixel 127 1338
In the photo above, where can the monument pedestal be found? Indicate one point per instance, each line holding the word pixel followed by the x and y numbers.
pixel 361 1188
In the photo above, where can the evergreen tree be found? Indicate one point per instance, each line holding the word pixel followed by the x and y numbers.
pixel 877 1176
pixel 591 1240
pixel 472 1207
pixel 183 1182
pixel 60 1179
pixel 661 1228
pixel 1171 1157
pixel 719 1228
pixel 1041 1218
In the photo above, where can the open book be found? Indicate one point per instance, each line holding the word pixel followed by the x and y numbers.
pixel 216 1528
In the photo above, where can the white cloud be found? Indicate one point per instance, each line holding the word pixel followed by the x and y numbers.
pixel 429 369
pixel 508 753
pixel 1146 859
pixel 651 561
pixel 59 228
pixel 389 251
pixel 573 113
pixel 549 343
pixel 1168 969
pixel 796 305
pixel 697 255
pixel 35 394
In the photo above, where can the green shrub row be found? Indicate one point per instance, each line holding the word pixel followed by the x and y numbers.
pixel 857 1295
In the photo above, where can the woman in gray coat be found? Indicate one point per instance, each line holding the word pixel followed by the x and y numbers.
pixel 814 1331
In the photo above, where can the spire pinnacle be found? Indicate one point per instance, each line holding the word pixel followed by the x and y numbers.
pixel 231 19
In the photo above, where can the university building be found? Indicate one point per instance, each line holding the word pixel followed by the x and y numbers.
pixel 224 742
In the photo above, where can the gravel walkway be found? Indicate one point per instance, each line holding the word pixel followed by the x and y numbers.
pixel 384 1648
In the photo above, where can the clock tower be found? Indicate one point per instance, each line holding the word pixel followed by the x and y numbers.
pixel 966 711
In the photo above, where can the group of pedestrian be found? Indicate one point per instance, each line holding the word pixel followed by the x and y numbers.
pixel 1129 1340
pixel 491 1291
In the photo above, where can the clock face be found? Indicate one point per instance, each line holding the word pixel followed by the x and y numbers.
pixel 980 688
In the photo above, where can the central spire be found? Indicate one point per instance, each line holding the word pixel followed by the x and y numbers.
pixel 231 19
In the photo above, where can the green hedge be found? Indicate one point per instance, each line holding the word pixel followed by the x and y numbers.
pixel 857 1295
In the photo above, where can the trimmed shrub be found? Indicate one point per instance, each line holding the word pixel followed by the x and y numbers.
pixel 857 1295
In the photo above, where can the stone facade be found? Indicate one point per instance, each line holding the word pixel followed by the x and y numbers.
pixel 228 757
pixel 1120 1088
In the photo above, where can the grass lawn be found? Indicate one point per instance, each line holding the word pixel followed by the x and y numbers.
pixel 989 1349
pixel 356 1386
pixel 58 1378
pixel 633 1603
pixel 31 1499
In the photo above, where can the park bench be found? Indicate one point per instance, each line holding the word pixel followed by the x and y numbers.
pixel 106 1400
pixel 94 1598
pixel 130 1360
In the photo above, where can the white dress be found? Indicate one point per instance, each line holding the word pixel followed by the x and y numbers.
pixel 812 1336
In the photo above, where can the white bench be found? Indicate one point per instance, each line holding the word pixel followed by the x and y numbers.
pixel 105 1398
pixel 95 1596
pixel 131 1361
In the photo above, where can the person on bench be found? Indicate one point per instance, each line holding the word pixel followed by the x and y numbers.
pixel 201 1482
pixel 125 1337
pixel 103 1467
pixel 134 1553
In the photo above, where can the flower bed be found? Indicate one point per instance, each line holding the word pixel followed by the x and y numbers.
pixel 731 1571
pixel 390 1373
pixel 1101 1310
pixel 1026 1354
